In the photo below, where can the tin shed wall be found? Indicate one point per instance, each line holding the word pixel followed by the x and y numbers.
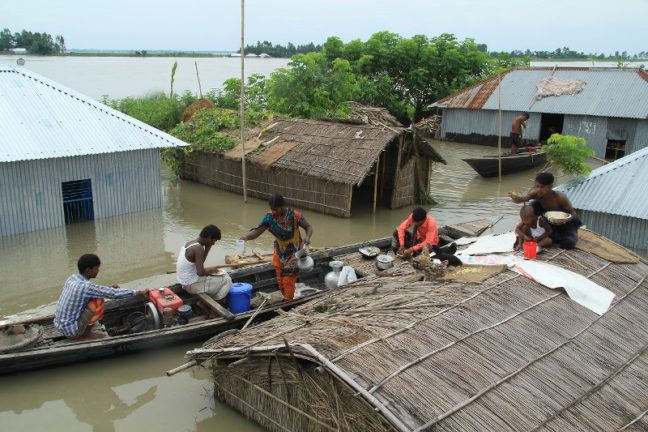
pixel 31 194
pixel 593 129
pixel 627 231
pixel 482 126
pixel 641 137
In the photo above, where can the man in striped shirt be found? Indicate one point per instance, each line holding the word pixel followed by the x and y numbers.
pixel 81 303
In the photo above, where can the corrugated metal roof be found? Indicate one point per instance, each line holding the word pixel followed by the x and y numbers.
pixel 42 119
pixel 619 188
pixel 608 93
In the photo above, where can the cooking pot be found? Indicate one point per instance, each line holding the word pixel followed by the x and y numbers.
pixel 305 264
pixel 384 262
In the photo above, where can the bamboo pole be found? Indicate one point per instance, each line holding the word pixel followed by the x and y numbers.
pixel 242 100
pixel 198 77
pixel 375 195
pixel 499 135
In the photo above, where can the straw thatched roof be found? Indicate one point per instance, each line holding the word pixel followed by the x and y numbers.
pixel 340 152
pixel 507 354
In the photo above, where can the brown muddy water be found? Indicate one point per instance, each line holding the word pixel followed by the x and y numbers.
pixel 132 392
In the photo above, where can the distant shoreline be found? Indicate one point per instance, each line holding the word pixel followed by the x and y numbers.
pixel 144 54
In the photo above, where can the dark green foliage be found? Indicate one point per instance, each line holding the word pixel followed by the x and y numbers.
pixel 34 43
pixel 290 50
pixel 312 87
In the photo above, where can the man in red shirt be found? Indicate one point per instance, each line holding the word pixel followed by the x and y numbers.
pixel 418 230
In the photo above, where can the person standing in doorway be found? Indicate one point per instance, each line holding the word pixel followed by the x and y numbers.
pixel 516 131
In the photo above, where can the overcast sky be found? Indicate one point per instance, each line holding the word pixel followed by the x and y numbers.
pixel 202 25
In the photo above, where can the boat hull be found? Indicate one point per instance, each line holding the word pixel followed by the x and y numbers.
pixel 59 350
pixel 488 166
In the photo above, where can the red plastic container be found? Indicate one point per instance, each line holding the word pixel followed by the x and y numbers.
pixel 530 249
pixel 165 298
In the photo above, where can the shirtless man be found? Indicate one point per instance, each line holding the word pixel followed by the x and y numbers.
pixel 516 131
pixel 191 271
pixel 544 199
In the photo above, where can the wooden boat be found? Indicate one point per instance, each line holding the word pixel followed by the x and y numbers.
pixel 122 336
pixel 488 166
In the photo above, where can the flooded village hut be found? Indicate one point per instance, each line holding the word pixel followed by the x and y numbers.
pixel 322 165
pixel 395 351
pixel 613 199
pixel 607 107
pixel 66 158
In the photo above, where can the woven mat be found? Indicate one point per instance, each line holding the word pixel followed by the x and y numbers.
pixel 604 248
pixel 273 154
pixel 235 152
pixel 473 273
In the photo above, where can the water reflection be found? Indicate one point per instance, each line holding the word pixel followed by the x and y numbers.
pixel 123 394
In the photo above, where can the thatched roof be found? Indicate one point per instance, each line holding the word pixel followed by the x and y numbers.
pixel 508 354
pixel 339 152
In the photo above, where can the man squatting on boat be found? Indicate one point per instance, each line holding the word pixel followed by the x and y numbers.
pixel 81 303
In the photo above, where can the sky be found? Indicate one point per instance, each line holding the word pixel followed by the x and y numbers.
pixel 590 26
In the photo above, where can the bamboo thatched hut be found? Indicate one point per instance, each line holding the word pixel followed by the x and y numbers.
pixel 393 352
pixel 323 165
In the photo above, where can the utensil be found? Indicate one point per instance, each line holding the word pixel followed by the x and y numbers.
pixel 369 251
pixel 384 262
pixel 557 217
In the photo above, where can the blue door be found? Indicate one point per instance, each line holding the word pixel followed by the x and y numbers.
pixel 77 201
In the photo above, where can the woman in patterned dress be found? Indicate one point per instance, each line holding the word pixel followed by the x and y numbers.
pixel 283 223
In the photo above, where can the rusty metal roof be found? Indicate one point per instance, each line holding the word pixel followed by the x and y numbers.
pixel 621 93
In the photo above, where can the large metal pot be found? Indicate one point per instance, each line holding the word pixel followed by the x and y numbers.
pixel 384 262
pixel 305 264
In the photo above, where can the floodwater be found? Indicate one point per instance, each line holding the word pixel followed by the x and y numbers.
pixel 120 77
pixel 133 392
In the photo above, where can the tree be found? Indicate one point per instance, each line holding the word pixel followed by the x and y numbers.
pixel 312 87
pixel 418 71
pixel 6 40
pixel 569 153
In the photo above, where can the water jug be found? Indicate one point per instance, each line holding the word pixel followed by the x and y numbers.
pixel 238 298
pixel 332 277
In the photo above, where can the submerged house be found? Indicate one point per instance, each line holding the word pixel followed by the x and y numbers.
pixel 607 107
pixel 322 165
pixel 66 158
pixel 613 199
pixel 392 352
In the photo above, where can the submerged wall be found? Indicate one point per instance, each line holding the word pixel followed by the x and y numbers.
pixel 31 195
pixel 303 192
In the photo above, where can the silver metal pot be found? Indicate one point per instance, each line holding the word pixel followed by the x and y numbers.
pixel 384 262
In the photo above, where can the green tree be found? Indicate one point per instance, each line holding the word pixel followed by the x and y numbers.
pixel 6 40
pixel 312 87
pixel 420 70
pixel 569 153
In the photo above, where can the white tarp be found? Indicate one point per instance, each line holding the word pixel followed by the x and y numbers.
pixel 495 243
pixel 580 289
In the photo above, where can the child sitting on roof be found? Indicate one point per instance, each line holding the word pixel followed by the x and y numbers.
pixel 532 227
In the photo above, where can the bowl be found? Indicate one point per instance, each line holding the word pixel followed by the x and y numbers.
pixel 369 251
pixel 384 262
pixel 557 217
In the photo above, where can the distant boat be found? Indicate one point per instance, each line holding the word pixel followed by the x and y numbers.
pixel 488 166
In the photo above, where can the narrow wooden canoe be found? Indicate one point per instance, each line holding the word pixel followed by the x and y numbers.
pixel 54 349
pixel 488 166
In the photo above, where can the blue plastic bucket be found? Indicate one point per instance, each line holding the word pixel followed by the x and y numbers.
pixel 238 298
